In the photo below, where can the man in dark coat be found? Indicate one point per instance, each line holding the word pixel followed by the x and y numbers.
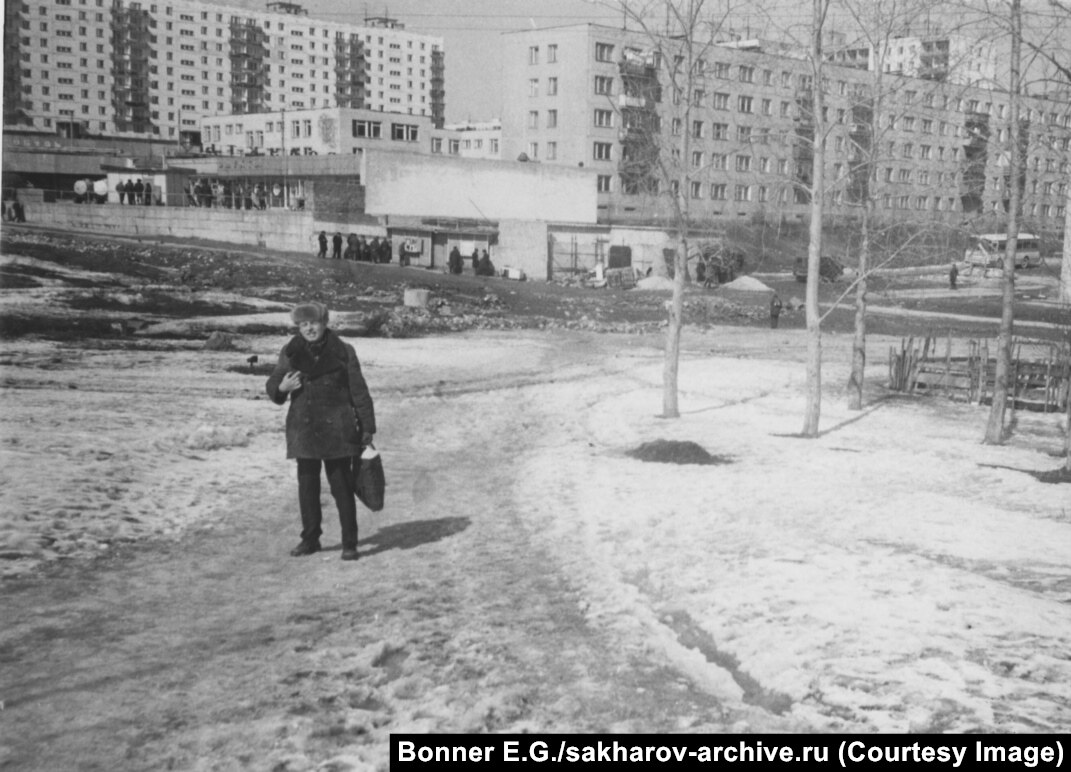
pixel 121 190
pixel 321 376
pixel 775 310
pixel 456 263
pixel 139 190
pixel 476 261
pixel 323 244
pixel 336 244
pixel 485 267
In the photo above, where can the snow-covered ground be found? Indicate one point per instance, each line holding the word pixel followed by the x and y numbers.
pixel 894 574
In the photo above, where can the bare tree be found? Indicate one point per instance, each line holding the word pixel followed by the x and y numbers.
pixel 813 410
pixel 994 433
pixel 677 36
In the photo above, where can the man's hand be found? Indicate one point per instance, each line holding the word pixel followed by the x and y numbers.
pixel 366 439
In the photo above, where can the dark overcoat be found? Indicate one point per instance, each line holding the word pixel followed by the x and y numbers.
pixel 320 422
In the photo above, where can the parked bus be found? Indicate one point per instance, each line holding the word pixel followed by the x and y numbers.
pixel 988 251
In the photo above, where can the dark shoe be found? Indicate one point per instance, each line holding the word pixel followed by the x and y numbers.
pixel 305 548
pixel 349 554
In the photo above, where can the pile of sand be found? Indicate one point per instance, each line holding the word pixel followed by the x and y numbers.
pixel 748 284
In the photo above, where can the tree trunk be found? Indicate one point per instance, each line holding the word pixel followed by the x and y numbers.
pixel 994 431
pixel 814 248
pixel 1065 264
pixel 670 407
pixel 855 381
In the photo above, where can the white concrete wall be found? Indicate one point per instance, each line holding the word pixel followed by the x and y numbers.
pixel 431 186
pixel 522 244
pixel 282 230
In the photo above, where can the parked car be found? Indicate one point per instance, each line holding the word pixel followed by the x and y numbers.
pixel 829 269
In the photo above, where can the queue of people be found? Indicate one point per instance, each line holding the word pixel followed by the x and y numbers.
pixel 358 248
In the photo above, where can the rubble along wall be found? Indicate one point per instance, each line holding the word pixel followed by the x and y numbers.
pixel 273 229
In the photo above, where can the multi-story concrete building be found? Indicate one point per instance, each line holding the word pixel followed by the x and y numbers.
pixel 90 67
pixel 930 54
pixel 471 139
pixel 601 97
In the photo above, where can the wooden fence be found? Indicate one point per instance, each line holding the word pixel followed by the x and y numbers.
pixel 1039 377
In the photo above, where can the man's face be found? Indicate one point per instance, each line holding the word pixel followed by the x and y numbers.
pixel 311 331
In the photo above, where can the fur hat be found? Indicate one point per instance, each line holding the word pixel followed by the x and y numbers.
pixel 309 312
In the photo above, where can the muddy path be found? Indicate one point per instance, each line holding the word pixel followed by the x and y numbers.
pixel 218 651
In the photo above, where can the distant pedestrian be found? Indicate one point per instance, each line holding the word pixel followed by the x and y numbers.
pixel 147 193
pixel 456 263
pixel 701 272
pixel 18 211
pixel 485 267
pixel 953 275
pixel 139 191
pixel 352 247
pixel 385 251
pixel 336 243
pixel 129 187
pixel 323 245
pixel 121 190
pixel 476 261
pixel 775 310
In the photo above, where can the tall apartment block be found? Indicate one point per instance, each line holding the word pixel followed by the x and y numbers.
pixel 122 68
pixel 601 97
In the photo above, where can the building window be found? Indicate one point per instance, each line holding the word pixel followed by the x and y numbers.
pixel 368 129
pixel 552 53
pixel 719 161
pixel 697 158
pixel 454 146
pixel 404 132
pixel 604 118
pixel 743 104
pixel 697 129
pixel 552 151
pixel 533 150
pixel 743 163
pixel 603 151
pixel 697 189
pixel 604 85
pixel 552 119
pixel 552 86
pixel 602 184
pixel 743 193
pixel 604 52
pixel 533 55
pixel 721 101
pixel 719 130
pixel 533 119
pixel 718 191
pixel 747 74
pixel 533 87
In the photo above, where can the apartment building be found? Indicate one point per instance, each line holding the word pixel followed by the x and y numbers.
pixel 475 139
pixel 929 54
pixel 600 97
pixel 116 67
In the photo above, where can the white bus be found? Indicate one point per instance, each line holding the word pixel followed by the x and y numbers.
pixel 988 251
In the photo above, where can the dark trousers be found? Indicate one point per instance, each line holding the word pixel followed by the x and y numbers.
pixel 773 322
pixel 338 477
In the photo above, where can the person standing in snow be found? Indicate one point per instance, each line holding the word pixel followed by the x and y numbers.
pixel 775 310
pixel 321 376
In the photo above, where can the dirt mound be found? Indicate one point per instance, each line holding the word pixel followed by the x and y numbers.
pixel 675 452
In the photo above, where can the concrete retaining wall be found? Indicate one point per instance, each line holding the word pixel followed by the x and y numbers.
pixel 274 229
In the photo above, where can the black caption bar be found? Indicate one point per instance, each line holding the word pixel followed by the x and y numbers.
pixel 522 751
